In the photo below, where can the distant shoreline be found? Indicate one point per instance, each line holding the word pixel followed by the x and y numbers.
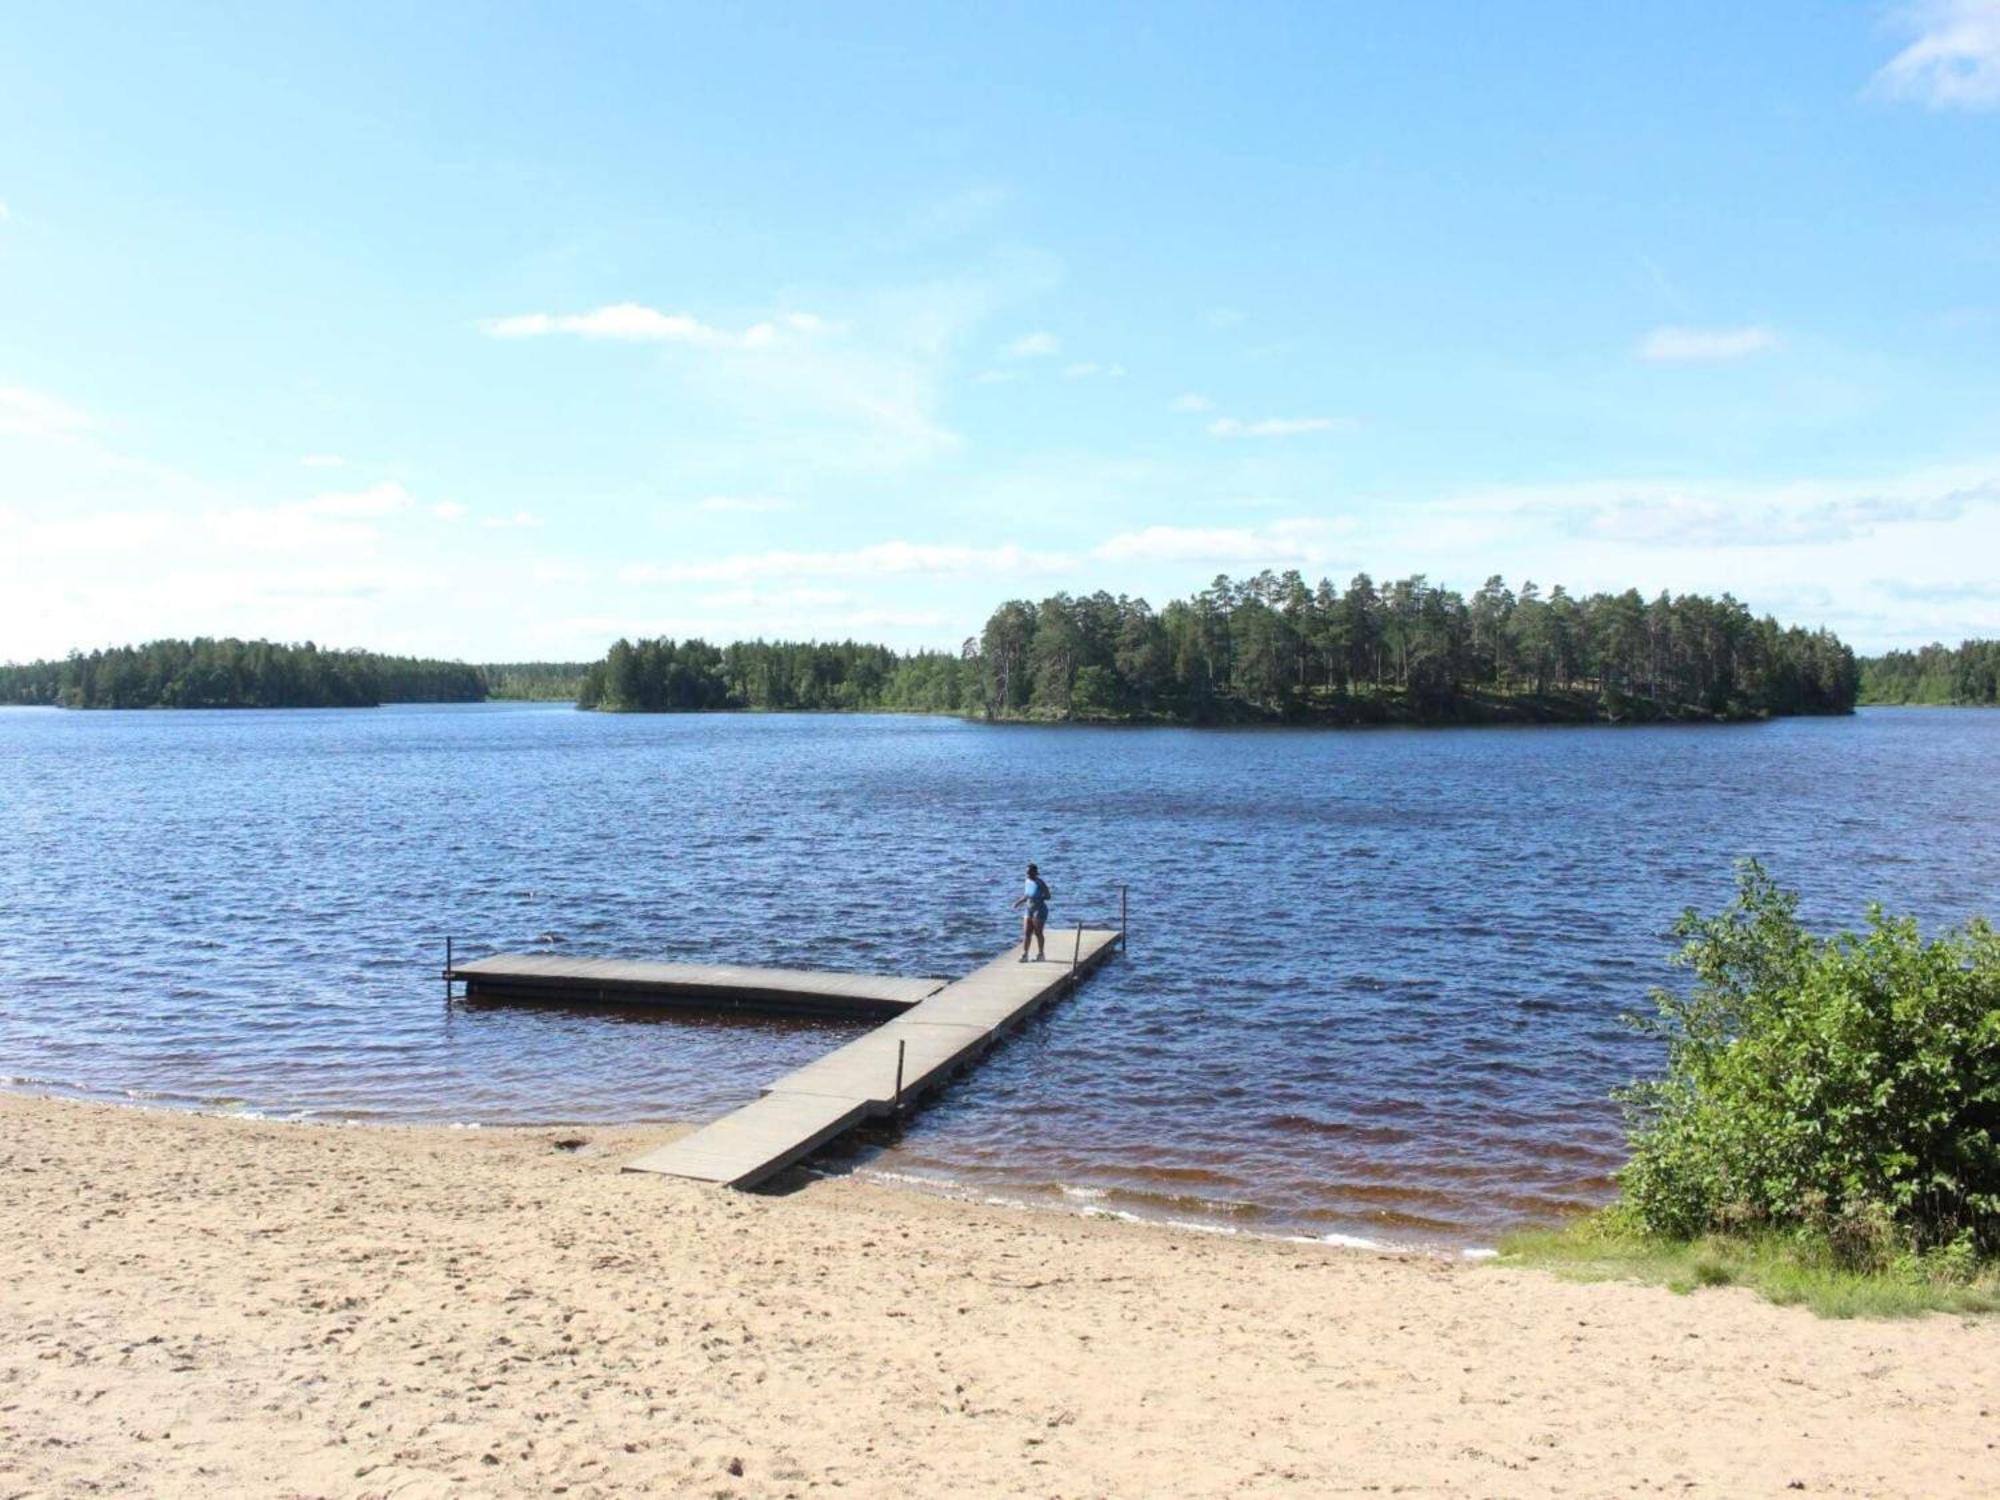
pixel 1366 711
pixel 1375 715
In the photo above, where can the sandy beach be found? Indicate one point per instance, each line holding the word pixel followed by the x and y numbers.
pixel 212 1306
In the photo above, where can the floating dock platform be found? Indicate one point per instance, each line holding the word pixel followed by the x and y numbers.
pixel 550 977
pixel 883 1072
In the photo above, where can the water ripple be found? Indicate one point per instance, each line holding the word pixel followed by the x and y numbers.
pixel 1374 983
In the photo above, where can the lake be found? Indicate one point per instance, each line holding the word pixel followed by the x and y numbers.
pixel 1373 987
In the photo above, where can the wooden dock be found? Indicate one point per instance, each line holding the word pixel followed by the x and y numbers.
pixel 801 992
pixel 881 1073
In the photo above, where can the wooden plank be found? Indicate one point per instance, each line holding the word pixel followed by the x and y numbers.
pixel 754 1142
pixel 865 1068
pixel 1007 990
pixel 542 976
pixel 813 1104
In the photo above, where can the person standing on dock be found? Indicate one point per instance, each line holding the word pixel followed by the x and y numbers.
pixel 1035 895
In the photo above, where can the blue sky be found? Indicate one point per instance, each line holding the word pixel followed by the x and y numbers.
pixel 500 331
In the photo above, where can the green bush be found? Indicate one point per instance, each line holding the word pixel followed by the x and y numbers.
pixel 1847 1088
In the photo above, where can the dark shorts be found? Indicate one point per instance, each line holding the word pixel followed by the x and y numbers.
pixel 1038 911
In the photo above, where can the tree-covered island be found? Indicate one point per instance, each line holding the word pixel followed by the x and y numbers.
pixel 228 673
pixel 1965 675
pixel 1269 649
pixel 1275 649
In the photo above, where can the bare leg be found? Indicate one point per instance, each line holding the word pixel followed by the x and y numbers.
pixel 1027 932
pixel 1041 945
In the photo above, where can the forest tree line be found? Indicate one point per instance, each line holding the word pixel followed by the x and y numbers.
pixel 228 673
pixel 1266 649
pixel 692 676
pixel 1274 648
pixel 534 681
pixel 1968 673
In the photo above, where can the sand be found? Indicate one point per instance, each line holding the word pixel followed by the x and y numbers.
pixel 207 1306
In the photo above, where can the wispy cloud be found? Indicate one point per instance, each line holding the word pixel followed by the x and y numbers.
pixel 450 510
pixel 1953 59
pixel 864 391
pixel 331 529
pixel 881 559
pixel 744 505
pixel 1191 402
pixel 1297 542
pixel 326 527
pixel 288 530
pixel 1708 519
pixel 1657 514
pixel 520 520
pixel 634 322
pixel 1091 370
pixel 31 414
pixel 1676 343
pixel 112 533
pixel 384 499
pixel 322 461
pixel 1038 345
pixel 1983 592
pixel 1270 427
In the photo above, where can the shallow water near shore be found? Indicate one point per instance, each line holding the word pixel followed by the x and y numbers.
pixel 1373 988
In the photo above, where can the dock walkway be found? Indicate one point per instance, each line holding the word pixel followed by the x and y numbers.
pixel 933 1039
pixel 549 976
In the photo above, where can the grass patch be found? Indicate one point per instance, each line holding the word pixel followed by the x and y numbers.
pixel 1789 1270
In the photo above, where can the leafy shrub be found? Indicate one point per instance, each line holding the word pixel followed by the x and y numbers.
pixel 1846 1087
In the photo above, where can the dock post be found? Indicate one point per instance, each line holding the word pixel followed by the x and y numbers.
pixel 902 1046
pixel 447 966
pixel 1076 956
pixel 1121 919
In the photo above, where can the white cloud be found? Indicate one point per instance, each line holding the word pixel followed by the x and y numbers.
pixel 287 529
pixel 450 510
pixel 883 559
pixel 326 527
pixel 633 322
pixel 1953 62
pixel 752 598
pixel 744 505
pixel 1806 514
pixel 1674 343
pixel 1270 427
pixel 105 534
pixel 1037 345
pixel 794 613
pixel 1091 370
pixel 5 213
pixel 1192 402
pixel 812 397
pixel 521 519
pixel 322 461
pixel 993 377
pixel 384 499
pixel 31 414
pixel 1296 542
pixel 1812 550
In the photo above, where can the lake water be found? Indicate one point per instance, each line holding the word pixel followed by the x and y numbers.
pixel 1373 986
